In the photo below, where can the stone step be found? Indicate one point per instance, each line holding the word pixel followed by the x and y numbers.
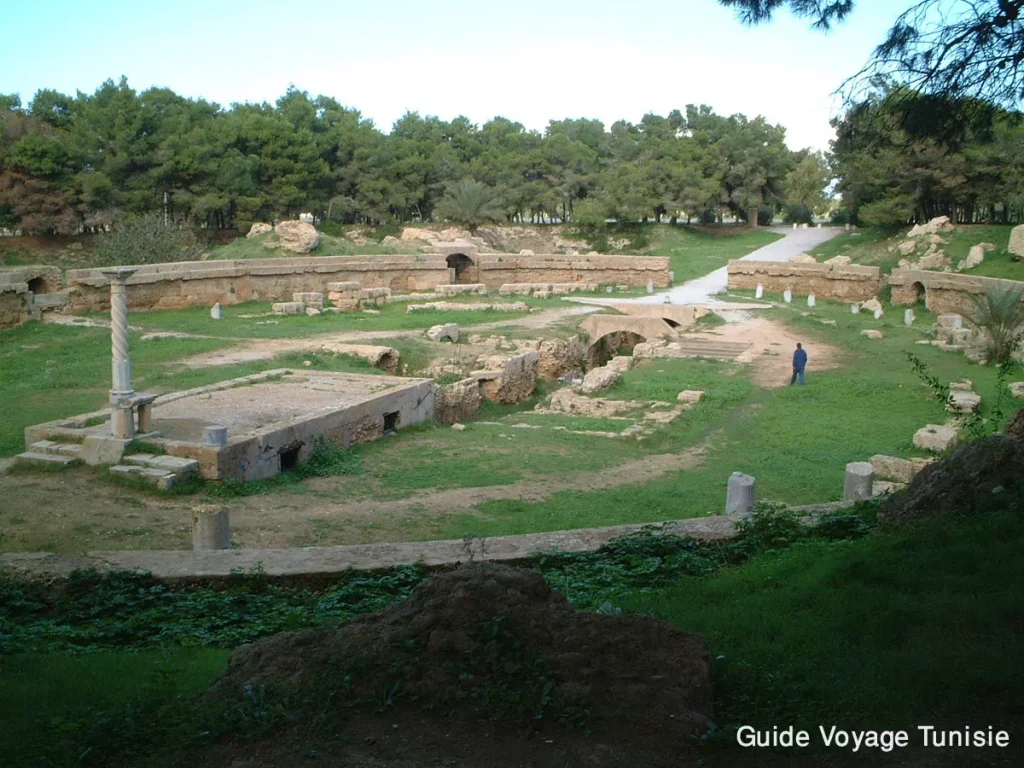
pixel 159 478
pixel 44 459
pixel 50 300
pixel 182 469
pixel 56 449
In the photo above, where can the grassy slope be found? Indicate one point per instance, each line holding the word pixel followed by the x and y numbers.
pixel 694 253
pixel 871 247
pixel 889 631
pixel 796 442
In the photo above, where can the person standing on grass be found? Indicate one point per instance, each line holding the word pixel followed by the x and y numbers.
pixel 799 363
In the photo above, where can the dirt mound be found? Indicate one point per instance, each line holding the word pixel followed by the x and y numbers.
pixel 492 643
pixel 983 476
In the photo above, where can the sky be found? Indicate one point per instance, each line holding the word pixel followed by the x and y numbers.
pixel 530 61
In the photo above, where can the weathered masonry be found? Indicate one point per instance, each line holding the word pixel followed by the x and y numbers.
pixel 254 427
pixel 848 283
pixel 204 283
pixel 943 291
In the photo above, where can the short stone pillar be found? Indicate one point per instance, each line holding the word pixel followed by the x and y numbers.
pixel 846 226
pixel 811 301
pixel 211 528
pixel 878 314
pixel 855 309
pixel 908 317
pixel 794 225
pixel 858 481
pixel 650 286
pixel 215 311
pixel 215 436
pixel 671 276
pixel 122 421
pixel 739 497
pixel 787 296
pixel 759 291
pixel 819 225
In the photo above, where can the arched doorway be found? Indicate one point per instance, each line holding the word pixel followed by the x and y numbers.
pixel 462 266
pixel 919 293
pixel 610 345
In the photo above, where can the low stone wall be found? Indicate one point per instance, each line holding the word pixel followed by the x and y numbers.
pixel 204 283
pixel 850 283
pixel 14 304
pixel 495 270
pixel 943 291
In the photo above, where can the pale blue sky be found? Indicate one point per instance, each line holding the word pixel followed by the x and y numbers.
pixel 530 61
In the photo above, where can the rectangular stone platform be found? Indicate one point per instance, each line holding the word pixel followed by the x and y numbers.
pixel 273 419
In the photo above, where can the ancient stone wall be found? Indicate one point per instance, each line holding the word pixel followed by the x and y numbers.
pixel 14 305
pixel 457 402
pixel 943 291
pixel 204 283
pixel 849 283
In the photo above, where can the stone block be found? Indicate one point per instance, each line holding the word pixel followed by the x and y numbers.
pixel 309 298
pixel 858 481
pixel 598 379
pixel 344 286
pixel 287 308
pixel 896 469
pixel 950 321
pixel 313 312
pixel 871 333
pixel 963 402
pixel 936 438
pixel 690 396
pixel 211 528
pixel 961 385
pixel 740 494
pixel 444 332
pixel 103 449
pixel 1017 389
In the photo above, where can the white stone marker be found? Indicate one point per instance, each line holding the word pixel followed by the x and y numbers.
pixel 215 435
pixel 739 496
pixel 122 420
pixel 215 312
pixel 859 478
pixel 811 300
pixel 759 292
pixel 908 317
pixel 847 226
pixel 819 225
pixel 211 528
pixel 794 225
pixel 650 286
pixel 878 314
pixel 671 276
pixel 855 309
pixel 787 296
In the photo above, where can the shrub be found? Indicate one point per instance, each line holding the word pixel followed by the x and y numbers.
pixel 147 239
pixel 798 213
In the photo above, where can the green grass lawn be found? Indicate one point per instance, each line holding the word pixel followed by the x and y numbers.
pixel 694 253
pixel 870 247
pixel 889 631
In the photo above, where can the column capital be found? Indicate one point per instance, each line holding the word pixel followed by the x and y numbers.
pixel 118 274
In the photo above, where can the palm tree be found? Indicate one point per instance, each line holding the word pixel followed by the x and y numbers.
pixel 1000 313
pixel 471 204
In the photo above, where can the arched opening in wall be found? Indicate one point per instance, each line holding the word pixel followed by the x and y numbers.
pixel 610 345
pixel 37 285
pixel 290 456
pixel 463 266
pixel 920 294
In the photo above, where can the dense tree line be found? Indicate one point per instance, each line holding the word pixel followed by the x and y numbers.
pixel 903 157
pixel 71 164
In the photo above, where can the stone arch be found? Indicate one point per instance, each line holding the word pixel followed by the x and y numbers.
pixel 37 285
pixel 613 343
pixel 919 293
pixel 462 266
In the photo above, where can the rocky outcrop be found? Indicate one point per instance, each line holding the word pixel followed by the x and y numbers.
pixel 445 332
pixel 598 379
pixel 1016 244
pixel 258 229
pixel 567 401
pixel 297 236
pixel 936 225
pixel 561 357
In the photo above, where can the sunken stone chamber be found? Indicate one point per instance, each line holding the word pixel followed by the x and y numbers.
pixel 273 419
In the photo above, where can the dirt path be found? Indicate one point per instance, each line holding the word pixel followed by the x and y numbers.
pixel 84 512
pixel 264 349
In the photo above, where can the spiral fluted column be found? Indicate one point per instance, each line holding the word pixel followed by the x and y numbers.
pixel 121 421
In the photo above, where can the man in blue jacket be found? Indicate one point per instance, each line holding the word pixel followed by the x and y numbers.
pixel 799 363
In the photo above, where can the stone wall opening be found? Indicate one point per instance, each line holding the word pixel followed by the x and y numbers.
pixel 919 294
pixel 37 285
pixel 391 422
pixel 610 345
pixel 463 266
pixel 290 456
